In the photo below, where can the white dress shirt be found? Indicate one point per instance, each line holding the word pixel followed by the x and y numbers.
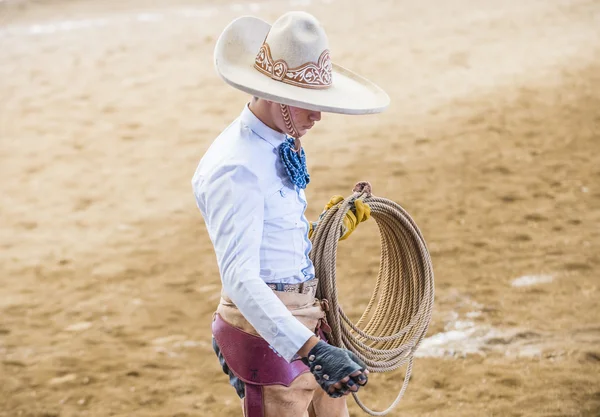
pixel 255 219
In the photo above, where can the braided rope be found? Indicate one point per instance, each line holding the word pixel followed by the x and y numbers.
pixel 397 316
pixel 294 163
pixel 289 123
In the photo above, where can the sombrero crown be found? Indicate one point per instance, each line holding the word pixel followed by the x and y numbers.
pixel 290 63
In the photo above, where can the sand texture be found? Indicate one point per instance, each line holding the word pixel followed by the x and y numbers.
pixel 492 143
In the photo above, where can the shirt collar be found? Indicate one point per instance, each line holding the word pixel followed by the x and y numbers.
pixel 259 128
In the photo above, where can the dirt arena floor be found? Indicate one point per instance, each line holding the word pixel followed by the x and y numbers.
pixel 492 143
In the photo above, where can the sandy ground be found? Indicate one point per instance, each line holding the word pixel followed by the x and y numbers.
pixel 492 143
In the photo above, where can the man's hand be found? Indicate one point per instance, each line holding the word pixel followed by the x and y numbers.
pixel 310 343
pixel 338 371
pixel 333 201
pixel 358 213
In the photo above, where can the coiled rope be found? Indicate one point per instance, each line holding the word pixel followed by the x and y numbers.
pixel 398 314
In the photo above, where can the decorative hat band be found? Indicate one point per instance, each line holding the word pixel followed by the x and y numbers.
pixel 309 75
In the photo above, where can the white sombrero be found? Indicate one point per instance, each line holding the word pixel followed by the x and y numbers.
pixel 290 63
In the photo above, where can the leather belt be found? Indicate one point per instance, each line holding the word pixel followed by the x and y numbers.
pixel 301 288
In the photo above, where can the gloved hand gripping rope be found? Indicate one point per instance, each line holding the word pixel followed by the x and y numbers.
pixel 398 314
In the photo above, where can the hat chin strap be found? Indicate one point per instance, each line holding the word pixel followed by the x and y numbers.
pixel 290 127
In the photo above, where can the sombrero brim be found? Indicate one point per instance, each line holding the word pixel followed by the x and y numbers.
pixel 236 51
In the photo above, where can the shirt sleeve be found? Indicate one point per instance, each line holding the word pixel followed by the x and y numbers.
pixel 234 205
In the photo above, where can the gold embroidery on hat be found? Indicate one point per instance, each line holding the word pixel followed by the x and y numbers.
pixel 309 75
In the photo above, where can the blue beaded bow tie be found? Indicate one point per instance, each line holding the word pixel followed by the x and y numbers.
pixel 294 163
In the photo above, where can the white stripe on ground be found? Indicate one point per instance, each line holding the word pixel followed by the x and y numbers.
pixel 529 280
pixel 145 17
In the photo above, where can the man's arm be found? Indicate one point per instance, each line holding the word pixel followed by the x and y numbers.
pixel 235 214
pixel 234 207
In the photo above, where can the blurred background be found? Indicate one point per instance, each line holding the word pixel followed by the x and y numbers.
pixel 492 143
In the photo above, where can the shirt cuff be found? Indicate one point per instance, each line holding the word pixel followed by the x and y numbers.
pixel 290 336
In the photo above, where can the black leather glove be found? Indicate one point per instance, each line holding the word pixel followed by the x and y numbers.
pixel 330 364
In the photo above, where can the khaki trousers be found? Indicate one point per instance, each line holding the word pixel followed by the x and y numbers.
pixel 304 397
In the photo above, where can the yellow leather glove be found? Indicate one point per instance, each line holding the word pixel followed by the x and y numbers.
pixel 334 200
pixel 360 213
pixel 356 215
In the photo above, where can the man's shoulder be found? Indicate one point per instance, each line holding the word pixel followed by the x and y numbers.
pixel 238 145
pixel 238 150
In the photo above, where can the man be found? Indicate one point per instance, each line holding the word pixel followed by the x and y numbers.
pixel 269 330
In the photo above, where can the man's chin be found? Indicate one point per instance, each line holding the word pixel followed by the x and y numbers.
pixel 302 132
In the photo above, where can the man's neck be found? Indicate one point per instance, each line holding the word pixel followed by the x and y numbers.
pixel 261 110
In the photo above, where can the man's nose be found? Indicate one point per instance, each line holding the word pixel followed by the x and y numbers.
pixel 315 116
